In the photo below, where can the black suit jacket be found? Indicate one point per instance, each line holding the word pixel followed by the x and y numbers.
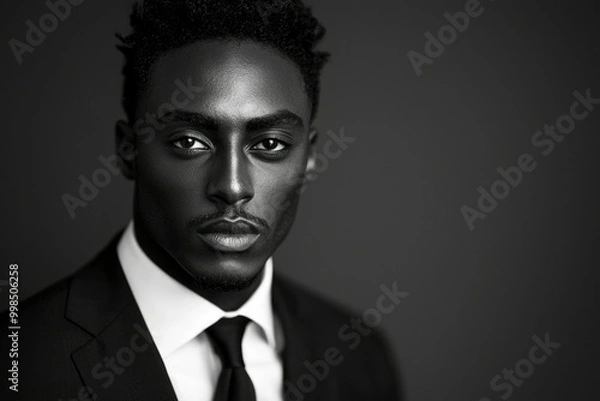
pixel 84 338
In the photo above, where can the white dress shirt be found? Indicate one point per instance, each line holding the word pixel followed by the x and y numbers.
pixel 177 318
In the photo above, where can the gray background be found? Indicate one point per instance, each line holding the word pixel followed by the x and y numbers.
pixel 386 210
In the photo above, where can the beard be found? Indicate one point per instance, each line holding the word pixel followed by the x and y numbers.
pixel 223 282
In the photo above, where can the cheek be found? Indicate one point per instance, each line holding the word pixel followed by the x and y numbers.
pixel 284 208
pixel 280 191
pixel 167 191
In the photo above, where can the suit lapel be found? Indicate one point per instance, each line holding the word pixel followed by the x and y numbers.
pixel 121 360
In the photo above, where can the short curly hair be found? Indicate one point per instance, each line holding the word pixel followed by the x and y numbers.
pixel 159 26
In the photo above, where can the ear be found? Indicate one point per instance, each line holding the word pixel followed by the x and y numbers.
pixel 126 148
pixel 312 154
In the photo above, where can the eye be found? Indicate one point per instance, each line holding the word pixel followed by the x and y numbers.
pixel 190 143
pixel 270 145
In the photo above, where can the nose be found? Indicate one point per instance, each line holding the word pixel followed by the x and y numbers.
pixel 230 181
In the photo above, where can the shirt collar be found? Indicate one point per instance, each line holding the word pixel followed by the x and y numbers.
pixel 175 314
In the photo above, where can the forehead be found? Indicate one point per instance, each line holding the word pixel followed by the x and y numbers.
pixel 232 80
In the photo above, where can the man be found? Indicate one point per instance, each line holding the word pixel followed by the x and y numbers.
pixel 220 98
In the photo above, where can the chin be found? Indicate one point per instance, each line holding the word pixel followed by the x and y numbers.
pixel 225 271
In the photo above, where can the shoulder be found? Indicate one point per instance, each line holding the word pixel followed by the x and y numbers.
pixel 49 297
pixel 311 305
pixel 318 310
pixel 366 356
pixel 47 310
pixel 51 301
pixel 47 336
pixel 44 312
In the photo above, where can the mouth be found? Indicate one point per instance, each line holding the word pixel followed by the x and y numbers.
pixel 229 242
pixel 229 235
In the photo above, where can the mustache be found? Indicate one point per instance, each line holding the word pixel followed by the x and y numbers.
pixel 228 214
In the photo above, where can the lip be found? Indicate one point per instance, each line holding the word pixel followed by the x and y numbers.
pixel 228 242
pixel 238 225
pixel 229 235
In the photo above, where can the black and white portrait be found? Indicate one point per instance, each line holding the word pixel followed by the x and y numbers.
pixel 289 200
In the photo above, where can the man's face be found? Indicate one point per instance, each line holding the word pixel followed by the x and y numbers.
pixel 217 184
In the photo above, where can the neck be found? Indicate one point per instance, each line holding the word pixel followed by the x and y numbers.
pixel 226 300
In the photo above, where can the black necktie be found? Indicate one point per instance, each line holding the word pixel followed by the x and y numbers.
pixel 234 383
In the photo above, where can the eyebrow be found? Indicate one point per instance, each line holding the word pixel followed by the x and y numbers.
pixel 280 118
pixel 193 118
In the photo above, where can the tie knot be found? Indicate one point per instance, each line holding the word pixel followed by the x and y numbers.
pixel 226 337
